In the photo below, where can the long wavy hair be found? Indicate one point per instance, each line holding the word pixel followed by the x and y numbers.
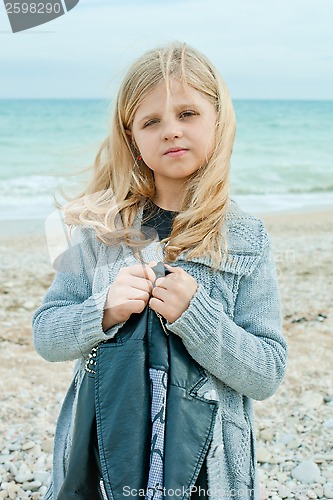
pixel 121 183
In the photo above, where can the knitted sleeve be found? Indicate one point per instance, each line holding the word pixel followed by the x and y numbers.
pixel 68 324
pixel 248 353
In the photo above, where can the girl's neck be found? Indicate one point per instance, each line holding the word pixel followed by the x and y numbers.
pixel 172 205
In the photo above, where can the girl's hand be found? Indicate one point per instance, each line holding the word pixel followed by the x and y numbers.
pixel 129 293
pixel 172 294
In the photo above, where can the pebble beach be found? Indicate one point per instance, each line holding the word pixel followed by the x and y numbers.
pixel 294 427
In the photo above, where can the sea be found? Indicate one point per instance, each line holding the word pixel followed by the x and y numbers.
pixel 282 159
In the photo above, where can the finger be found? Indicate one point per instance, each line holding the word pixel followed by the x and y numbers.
pixel 150 274
pixel 143 271
pixel 141 284
pixel 129 294
pixel 135 294
pixel 161 282
pixel 137 306
pixel 173 269
pixel 158 306
pixel 159 293
pixel 155 304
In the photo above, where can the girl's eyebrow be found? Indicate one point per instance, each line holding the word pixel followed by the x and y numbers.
pixel 187 105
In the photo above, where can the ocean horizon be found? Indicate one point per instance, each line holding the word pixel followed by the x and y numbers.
pixel 282 158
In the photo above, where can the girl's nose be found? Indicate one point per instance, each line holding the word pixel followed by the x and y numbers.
pixel 172 130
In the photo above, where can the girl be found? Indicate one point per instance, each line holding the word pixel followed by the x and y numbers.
pixel 165 167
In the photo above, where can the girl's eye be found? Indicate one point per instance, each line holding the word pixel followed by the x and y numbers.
pixel 150 122
pixel 187 114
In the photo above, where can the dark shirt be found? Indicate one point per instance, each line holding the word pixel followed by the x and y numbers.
pixel 159 219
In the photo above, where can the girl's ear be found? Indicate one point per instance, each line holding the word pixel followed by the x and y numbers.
pixel 131 138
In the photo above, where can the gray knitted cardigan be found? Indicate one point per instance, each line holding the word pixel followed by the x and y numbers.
pixel 232 328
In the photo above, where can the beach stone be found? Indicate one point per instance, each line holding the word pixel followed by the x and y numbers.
pixel 12 469
pixel 311 494
pixel 273 484
pixel 294 444
pixel 42 490
pixel 263 455
pixel 287 438
pixel 319 490
pixel 4 494
pixel 8 284
pixel 291 484
pixel 288 465
pixel 13 447
pixel 328 423
pixel 311 400
pixel 32 485
pixel 262 476
pixel 12 489
pixel 22 494
pixel 267 434
pixel 40 462
pixel 328 490
pixel 306 472
pixel 27 445
pixel 41 475
pixel 47 445
pixel 23 477
pixel 282 477
pixel 36 450
pixel 23 468
pixel 264 494
pixel 283 491
pixel 28 305
pixel 328 474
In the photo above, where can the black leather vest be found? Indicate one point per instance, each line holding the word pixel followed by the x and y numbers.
pixel 110 448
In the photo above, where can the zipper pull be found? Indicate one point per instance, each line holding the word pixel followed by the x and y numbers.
pixel 162 322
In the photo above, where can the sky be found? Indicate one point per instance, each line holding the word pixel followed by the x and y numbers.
pixel 264 49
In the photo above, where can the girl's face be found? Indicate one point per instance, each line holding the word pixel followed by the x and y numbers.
pixel 175 136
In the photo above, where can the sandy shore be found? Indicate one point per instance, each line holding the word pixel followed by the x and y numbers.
pixel 294 427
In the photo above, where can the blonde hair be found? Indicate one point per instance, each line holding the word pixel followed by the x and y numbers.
pixel 121 182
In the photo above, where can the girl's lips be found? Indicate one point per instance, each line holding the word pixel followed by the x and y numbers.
pixel 176 152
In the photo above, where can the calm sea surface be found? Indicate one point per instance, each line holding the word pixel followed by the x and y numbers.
pixel 283 155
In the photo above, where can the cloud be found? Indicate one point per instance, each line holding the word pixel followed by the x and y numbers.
pixel 262 48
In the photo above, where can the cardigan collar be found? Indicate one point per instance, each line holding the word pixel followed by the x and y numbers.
pixel 236 262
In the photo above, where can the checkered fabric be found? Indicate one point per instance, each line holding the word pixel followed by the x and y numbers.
pixel 158 391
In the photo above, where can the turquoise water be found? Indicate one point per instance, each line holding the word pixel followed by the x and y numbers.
pixel 283 154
